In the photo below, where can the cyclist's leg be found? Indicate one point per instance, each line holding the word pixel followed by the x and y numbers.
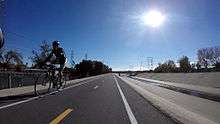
pixel 62 66
pixel 54 76
pixel 53 79
pixel 63 61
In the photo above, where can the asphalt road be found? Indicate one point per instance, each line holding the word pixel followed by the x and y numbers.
pixel 105 100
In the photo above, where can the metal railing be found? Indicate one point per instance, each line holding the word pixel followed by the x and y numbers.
pixel 11 79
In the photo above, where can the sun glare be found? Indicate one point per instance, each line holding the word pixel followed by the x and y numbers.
pixel 153 18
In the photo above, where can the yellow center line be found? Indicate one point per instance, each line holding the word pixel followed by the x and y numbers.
pixel 59 118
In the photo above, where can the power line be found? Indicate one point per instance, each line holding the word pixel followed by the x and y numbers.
pixel 150 62
pixel 72 58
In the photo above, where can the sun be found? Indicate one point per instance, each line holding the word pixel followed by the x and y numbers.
pixel 153 18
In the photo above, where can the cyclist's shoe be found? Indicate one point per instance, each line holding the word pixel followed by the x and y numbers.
pixel 59 89
pixel 61 84
pixel 54 85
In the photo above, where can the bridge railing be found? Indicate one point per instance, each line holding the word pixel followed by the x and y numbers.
pixel 11 79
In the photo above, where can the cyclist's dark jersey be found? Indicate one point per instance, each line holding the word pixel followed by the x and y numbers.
pixel 60 55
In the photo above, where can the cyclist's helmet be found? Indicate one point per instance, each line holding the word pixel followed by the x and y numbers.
pixel 56 43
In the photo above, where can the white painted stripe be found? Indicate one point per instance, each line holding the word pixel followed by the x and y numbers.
pixel 181 113
pixel 33 98
pixel 16 103
pixel 127 107
pixel 96 87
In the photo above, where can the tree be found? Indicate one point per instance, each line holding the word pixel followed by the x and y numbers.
pixel 39 55
pixel 13 57
pixel 98 68
pixel 2 51
pixel 84 67
pixel 171 65
pixel 198 66
pixel 184 64
pixel 90 68
pixel 9 59
pixel 216 55
pixel 202 55
pixel 209 56
pixel 168 66
pixel 193 67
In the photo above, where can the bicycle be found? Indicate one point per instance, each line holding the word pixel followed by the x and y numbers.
pixel 51 79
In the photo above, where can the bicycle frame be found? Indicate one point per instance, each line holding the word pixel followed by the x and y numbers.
pixel 52 76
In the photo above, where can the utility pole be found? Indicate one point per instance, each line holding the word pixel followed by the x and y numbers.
pixel 150 62
pixel 86 56
pixel 72 59
pixel 141 65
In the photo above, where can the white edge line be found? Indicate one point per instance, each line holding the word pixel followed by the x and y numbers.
pixel 33 98
pixel 128 109
pixel 173 110
pixel 16 103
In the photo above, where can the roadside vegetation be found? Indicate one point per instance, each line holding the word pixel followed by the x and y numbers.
pixel 82 69
pixel 11 59
pixel 208 61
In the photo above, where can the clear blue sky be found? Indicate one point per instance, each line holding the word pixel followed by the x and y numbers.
pixel 110 30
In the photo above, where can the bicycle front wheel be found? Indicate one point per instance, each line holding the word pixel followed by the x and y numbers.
pixel 42 84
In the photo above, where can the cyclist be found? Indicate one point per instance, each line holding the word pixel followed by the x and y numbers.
pixel 60 59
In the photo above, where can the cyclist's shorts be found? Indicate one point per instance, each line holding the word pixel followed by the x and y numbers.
pixel 61 60
pixel 60 63
pixel 63 64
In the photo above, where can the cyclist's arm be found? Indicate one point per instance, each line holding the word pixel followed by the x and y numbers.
pixel 41 63
pixel 63 52
pixel 48 58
